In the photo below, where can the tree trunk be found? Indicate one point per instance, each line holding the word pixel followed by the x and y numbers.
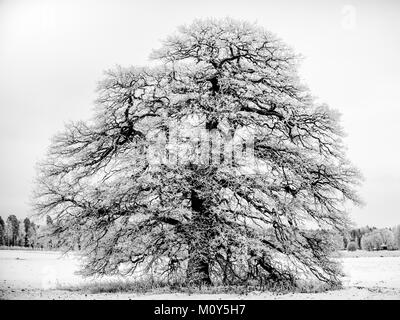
pixel 198 269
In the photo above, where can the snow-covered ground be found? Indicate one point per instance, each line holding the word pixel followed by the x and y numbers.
pixel 37 275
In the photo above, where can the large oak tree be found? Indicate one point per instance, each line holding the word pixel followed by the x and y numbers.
pixel 226 221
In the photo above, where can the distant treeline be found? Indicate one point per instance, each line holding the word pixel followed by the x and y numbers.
pixel 370 238
pixel 25 233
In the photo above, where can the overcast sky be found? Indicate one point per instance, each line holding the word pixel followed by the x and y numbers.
pixel 52 53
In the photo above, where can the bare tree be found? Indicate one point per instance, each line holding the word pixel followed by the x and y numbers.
pixel 215 221
pixel 397 236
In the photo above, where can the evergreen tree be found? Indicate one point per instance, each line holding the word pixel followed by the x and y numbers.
pixel 12 230
pixel 2 232
pixel 27 225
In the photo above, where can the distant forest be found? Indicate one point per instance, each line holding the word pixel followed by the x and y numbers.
pixel 25 233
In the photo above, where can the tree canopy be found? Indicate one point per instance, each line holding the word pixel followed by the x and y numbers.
pixel 218 219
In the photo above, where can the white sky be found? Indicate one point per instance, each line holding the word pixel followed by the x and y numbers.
pixel 52 53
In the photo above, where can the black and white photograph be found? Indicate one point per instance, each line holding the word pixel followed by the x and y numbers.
pixel 199 150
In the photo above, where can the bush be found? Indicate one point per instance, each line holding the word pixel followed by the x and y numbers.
pixel 352 246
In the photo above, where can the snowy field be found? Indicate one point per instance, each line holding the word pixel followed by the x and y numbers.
pixel 39 275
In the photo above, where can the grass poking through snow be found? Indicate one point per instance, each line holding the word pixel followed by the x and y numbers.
pixel 159 287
